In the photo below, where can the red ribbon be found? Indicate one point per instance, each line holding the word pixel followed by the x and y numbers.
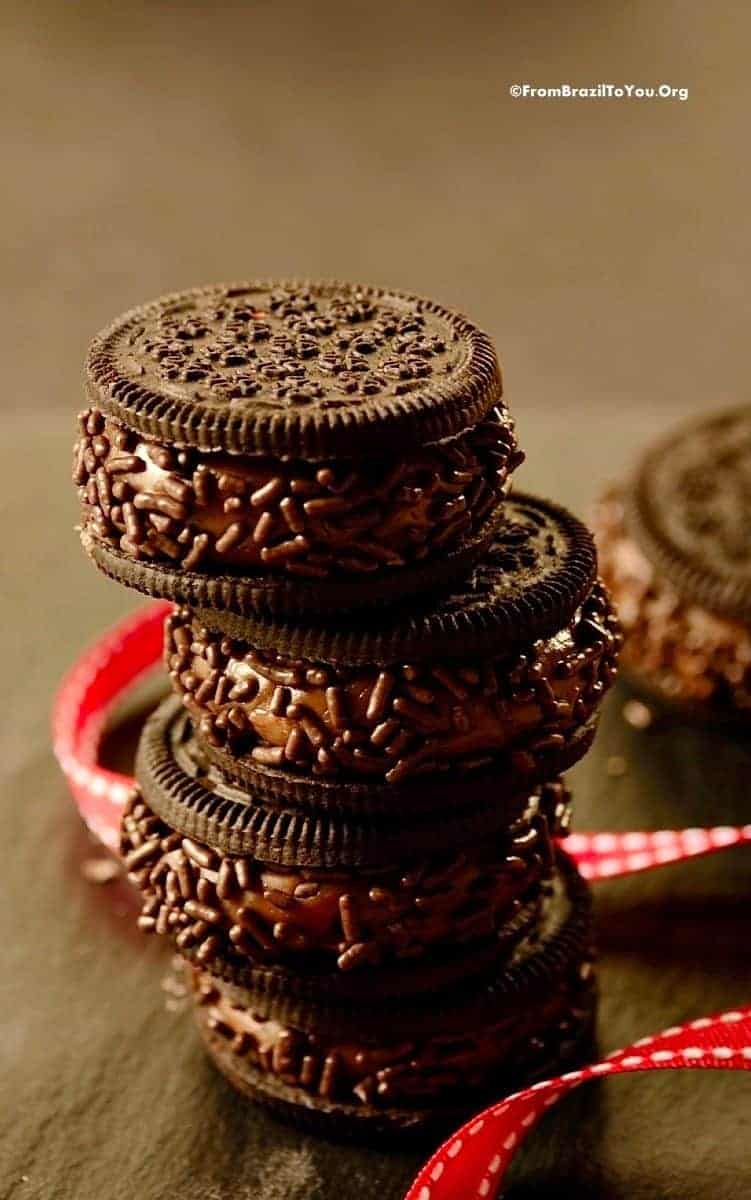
pixel 86 698
pixel 473 1161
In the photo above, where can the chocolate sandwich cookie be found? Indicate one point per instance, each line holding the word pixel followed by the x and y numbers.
pixel 381 1068
pixel 504 674
pixel 340 826
pixel 291 446
pixel 675 552
pixel 240 916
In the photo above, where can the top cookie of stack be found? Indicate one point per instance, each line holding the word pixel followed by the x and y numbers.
pixel 288 447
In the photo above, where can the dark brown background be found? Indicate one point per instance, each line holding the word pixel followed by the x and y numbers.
pixel 605 245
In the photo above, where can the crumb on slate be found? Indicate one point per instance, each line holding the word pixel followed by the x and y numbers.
pixel 176 1006
pixel 100 870
pixel 174 985
pixel 637 714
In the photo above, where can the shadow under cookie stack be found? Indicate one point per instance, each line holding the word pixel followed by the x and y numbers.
pixel 347 815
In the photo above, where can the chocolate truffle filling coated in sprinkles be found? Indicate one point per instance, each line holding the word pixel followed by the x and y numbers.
pixel 397 722
pixel 212 512
pixel 229 913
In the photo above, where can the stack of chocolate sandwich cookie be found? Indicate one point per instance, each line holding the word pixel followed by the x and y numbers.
pixel 382 662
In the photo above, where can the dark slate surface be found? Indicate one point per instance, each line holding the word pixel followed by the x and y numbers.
pixel 109 1095
pixel 152 147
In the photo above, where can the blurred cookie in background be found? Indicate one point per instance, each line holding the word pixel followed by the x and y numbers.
pixel 675 551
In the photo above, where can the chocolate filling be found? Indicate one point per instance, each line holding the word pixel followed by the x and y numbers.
pixel 201 511
pixel 393 723
pixel 238 909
